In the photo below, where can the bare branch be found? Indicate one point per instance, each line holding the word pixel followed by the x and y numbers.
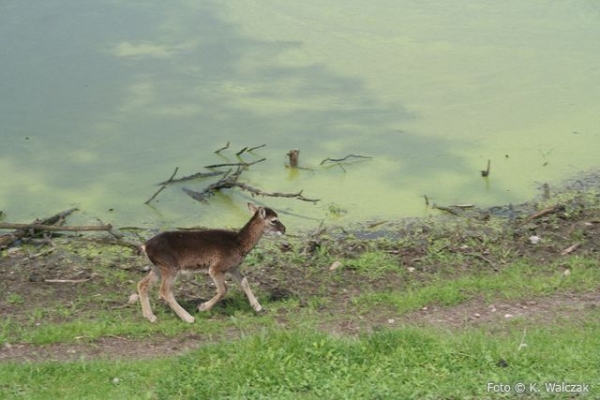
pixel 164 185
pixel 259 192
pixel 255 147
pixel 223 148
pixel 240 164
pixel 338 160
pixel 197 175
pixel 41 227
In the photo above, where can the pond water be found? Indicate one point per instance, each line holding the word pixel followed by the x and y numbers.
pixel 101 100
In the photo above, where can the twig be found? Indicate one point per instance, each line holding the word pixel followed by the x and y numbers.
pixel 570 249
pixel 487 260
pixel 240 164
pixel 274 194
pixel 446 209
pixel 544 212
pixel 256 147
pixel 249 149
pixel 223 148
pixel 66 280
pixel 193 176
pixel 164 185
pixel 338 160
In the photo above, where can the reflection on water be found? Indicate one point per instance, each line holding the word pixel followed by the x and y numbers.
pixel 102 100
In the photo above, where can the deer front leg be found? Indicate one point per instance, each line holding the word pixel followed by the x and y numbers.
pixel 243 282
pixel 219 280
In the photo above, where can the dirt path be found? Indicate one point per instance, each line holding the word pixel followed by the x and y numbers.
pixel 474 313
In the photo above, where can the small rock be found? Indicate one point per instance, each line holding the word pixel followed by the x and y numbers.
pixel 492 308
pixel 411 269
pixel 14 251
pixel 477 315
pixel 115 381
pixel 507 316
pixel 335 265
pixel 133 298
pixel 391 321
pixel 535 239
pixel 567 272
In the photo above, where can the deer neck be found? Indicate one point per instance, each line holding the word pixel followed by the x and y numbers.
pixel 249 235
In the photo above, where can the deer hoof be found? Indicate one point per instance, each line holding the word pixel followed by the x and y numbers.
pixel 151 318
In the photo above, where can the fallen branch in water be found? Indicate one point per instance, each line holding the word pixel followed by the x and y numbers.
pixel 231 181
pixel 164 185
pixel 238 164
pixel 249 149
pixel 339 160
pixel 223 148
pixel 259 192
pixel 198 175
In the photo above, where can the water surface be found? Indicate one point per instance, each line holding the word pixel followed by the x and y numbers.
pixel 102 100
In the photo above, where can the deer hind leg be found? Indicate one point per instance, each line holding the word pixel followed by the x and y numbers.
pixel 143 287
pixel 166 293
pixel 243 282
pixel 219 279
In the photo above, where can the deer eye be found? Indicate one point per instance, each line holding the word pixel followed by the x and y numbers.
pixel 274 221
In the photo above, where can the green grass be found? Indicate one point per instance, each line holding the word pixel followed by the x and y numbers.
pixel 406 363
pixel 515 281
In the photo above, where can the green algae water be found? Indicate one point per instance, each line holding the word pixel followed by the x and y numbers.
pixel 102 100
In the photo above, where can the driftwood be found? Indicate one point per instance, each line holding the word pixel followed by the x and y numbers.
pixel 53 223
pixel 238 164
pixel 198 175
pixel 231 181
pixel 55 228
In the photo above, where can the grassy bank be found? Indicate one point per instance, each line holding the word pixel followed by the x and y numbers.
pixel 400 363
pixel 456 309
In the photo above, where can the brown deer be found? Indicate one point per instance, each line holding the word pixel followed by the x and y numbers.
pixel 214 251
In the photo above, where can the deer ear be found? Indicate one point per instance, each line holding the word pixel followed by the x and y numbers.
pixel 253 209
